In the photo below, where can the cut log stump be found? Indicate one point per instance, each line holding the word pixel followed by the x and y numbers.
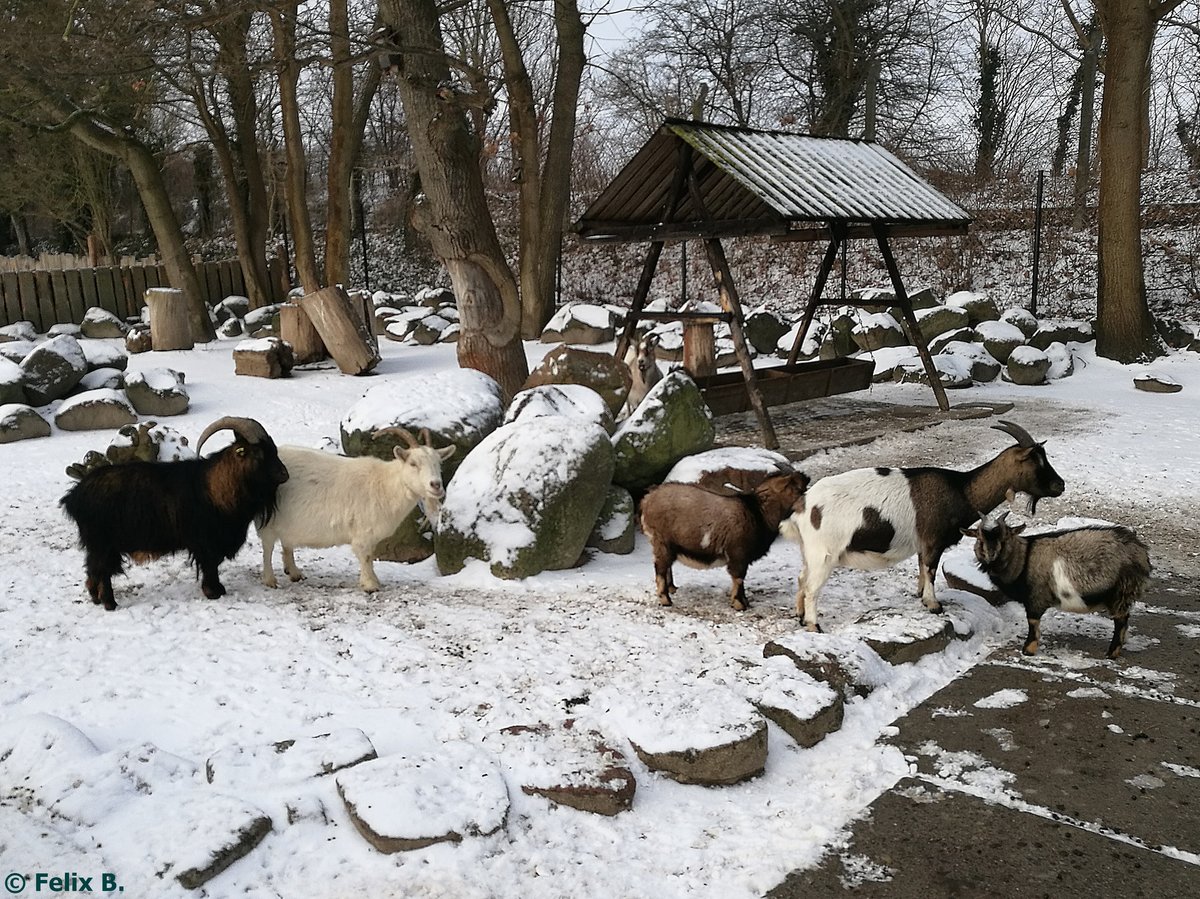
pixel 343 328
pixel 170 328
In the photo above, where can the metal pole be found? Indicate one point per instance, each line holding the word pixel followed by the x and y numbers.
pixel 1037 240
pixel 683 268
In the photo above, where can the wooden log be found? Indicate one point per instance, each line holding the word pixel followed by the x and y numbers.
pixel 137 275
pixel 29 304
pixel 170 328
pixel 699 349
pixel 297 329
pixel 62 301
pixel 340 324
pixel 106 290
pixel 45 295
pixel 12 297
pixel 75 294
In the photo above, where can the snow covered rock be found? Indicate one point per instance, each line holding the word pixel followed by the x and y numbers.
pixel 616 526
pixel 1062 361
pixel 428 330
pixel 413 800
pixel 263 357
pixel 839 337
pixel 978 306
pixel 954 372
pixel 23 331
pixel 845 663
pixel 289 761
pixel 149 442
pixel 11 388
pixel 21 422
pixel 527 498
pixel 95 410
pixel 232 307
pixel 434 297
pixel 764 330
pixel 231 327
pixel 673 421
pixel 1027 365
pixel 100 323
pixel 940 320
pixel 581 323
pixel 809 347
pixel 138 340
pixel 693 733
pixel 984 368
pixel 569 400
pixel 963 335
pixel 100 378
pixel 878 330
pixel 65 328
pixel 157 391
pixel 902 635
pixel 1056 331
pixel 1022 318
pixel 16 350
pixel 1000 338
pixel 805 708
pixel 1155 383
pixel 52 368
pixel 104 354
pixel 599 371
pixel 568 764
pixel 890 360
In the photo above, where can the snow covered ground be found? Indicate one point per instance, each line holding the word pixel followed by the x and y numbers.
pixel 431 659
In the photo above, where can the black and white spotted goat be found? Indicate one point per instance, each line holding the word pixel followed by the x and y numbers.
pixel 872 518
pixel 1097 568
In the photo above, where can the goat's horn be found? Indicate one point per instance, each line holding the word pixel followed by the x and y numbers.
pixel 426 437
pixel 1023 438
pixel 246 428
pixel 403 433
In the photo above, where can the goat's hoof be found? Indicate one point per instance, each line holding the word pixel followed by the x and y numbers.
pixel 1113 653
pixel 740 606
pixel 813 628
pixel 110 607
pixel 295 576
pixel 214 592
pixel 664 600
pixel 937 610
pixel 1029 649
pixel 370 588
pixel 273 584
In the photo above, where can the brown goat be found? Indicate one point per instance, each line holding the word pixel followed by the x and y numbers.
pixel 703 527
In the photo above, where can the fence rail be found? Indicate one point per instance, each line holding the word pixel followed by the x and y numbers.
pixel 49 296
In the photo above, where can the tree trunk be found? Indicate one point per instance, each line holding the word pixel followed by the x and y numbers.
pixel 283 27
pixel 455 216
pixel 1124 328
pixel 156 201
pixel 337 207
pixel 1089 68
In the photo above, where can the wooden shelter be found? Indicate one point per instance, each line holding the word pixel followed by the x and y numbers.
pixel 700 181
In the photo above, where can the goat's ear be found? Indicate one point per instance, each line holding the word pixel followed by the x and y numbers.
pixel 970 532
pixel 399 452
pixel 1016 529
pixel 447 452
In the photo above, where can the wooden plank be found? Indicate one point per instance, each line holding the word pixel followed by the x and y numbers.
pixel 106 292
pixel 62 302
pixel 239 279
pixel 137 275
pixel 225 276
pixel 74 288
pixel 212 283
pixel 91 296
pixel 12 297
pixel 29 305
pixel 277 275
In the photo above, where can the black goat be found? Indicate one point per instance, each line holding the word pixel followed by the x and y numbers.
pixel 199 506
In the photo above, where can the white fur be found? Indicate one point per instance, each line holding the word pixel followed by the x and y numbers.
pixel 337 500
pixel 842 499
pixel 1064 590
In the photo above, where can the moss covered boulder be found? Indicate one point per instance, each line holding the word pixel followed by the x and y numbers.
pixel 599 371
pixel 673 421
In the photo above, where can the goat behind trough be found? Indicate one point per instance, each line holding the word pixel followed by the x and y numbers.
pixel 644 371
pixel 200 506
pixel 872 518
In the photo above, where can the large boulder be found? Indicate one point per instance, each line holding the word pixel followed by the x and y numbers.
pixel 810 346
pixel 1027 365
pixel 11 388
pixel 157 391
pixel 979 307
pixel 100 323
pixel 954 372
pixel 459 407
pixel 878 330
pixel 966 335
pixel 104 354
pixel 581 323
pixel 21 422
pixel 570 400
pixel 616 524
pixel 983 366
pixel 838 340
pixel 673 421
pixel 52 368
pixel 1021 318
pixel 764 330
pixel 96 410
pixel 1062 361
pixel 889 360
pixel 1000 338
pixel 599 371
pixel 18 331
pixel 941 319
pixel 527 498
pixel 1057 331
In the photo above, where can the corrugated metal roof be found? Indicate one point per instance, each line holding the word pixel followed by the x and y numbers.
pixel 765 181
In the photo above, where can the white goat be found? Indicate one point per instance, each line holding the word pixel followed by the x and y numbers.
pixel 875 517
pixel 338 500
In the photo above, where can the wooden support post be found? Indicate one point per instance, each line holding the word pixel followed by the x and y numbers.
pixel 170 327
pixel 814 301
pixel 910 320
pixel 699 349
pixel 341 326
pixel 297 329
pixel 639 300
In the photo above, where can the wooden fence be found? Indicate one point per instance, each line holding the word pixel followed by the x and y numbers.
pixel 50 296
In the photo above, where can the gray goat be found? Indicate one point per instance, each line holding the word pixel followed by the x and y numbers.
pixel 1099 568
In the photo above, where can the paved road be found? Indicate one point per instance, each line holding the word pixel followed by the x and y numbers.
pixel 1060 775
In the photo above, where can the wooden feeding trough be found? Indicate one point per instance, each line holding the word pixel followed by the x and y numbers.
pixel 699 181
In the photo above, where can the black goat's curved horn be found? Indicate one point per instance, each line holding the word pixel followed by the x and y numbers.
pixel 246 428
pixel 1014 430
pixel 403 433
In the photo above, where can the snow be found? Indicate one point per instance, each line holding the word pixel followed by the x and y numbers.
pixel 162 380
pixel 437 400
pixel 146 694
